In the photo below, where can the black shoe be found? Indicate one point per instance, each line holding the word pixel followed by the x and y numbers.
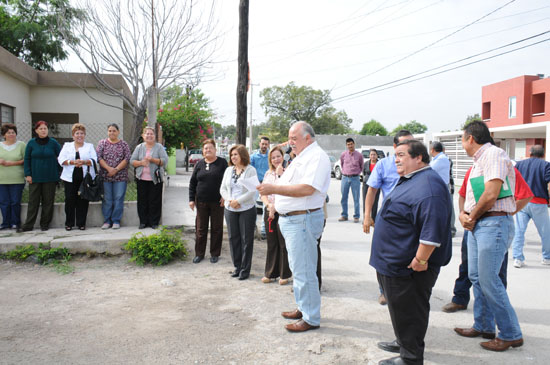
pixel 235 274
pixel 155 226
pixel 141 226
pixel 393 361
pixel 214 259
pixel 389 346
pixel 82 228
pixel 23 229
pixel 197 259
pixel 44 229
pixel 243 277
pixel 68 228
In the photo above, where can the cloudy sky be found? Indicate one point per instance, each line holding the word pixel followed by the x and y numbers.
pixel 352 47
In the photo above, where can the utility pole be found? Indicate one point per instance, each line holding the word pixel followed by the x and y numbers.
pixel 242 78
pixel 152 95
pixel 251 97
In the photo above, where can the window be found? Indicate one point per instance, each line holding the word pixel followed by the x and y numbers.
pixel 512 107
pixel 538 104
pixel 6 114
pixel 486 112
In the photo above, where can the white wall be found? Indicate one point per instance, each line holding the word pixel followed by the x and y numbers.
pixel 15 93
pixel 94 115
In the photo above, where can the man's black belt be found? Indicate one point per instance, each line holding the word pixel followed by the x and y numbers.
pixel 299 212
pixel 493 214
pixel 350 175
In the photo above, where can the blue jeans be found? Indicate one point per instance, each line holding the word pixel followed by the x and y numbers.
pixel 113 201
pixel 10 204
pixel 301 233
pixel 487 245
pixel 462 283
pixel 539 214
pixel 355 185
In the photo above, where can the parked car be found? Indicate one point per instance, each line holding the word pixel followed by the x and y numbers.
pixel 194 158
pixel 337 167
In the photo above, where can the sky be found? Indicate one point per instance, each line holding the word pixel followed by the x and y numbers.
pixel 349 46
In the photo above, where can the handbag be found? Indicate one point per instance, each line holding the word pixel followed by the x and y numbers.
pixel 91 189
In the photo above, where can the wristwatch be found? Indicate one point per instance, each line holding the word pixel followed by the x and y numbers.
pixel 421 262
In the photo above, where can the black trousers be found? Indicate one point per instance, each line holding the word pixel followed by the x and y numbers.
pixel 76 208
pixel 276 260
pixel 213 212
pixel 149 202
pixel 40 194
pixel 409 305
pixel 240 229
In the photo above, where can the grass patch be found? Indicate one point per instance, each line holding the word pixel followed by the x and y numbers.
pixel 56 257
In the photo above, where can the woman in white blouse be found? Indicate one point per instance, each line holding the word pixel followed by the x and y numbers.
pixel 240 210
pixel 76 158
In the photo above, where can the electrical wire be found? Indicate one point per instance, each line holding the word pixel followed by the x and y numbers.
pixel 425 47
pixel 381 87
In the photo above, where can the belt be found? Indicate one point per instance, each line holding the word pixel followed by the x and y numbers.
pixel 349 175
pixel 299 212
pixel 493 214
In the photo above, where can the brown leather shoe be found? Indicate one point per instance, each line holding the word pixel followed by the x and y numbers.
pixel 295 314
pixel 470 332
pixel 453 307
pixel 300 326
pixel 382 299
pixel 500 345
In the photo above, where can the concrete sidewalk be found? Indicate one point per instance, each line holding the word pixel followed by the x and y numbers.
pixel 175 214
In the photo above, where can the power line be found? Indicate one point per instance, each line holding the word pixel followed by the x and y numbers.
pixel 381 87
pixel 426 47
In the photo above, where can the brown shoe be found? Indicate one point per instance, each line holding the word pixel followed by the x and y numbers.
pixel 342 219
pixel 500 345
pixel 300 326
pixel 295 314
pixel 382 299
pixel 453 307
pixel 470 332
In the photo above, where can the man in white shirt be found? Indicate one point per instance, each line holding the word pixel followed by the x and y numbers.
pixel 300 194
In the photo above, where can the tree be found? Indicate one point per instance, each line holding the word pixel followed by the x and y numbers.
pixel 117 39
pixel 284 105
pixel 413 126
pixel 186 119
pixel 30 30
pixel 470 119
pixel 373 128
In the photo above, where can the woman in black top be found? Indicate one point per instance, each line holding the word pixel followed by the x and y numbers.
pixel 204 194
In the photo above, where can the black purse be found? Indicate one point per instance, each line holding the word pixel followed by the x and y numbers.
pixel 91 189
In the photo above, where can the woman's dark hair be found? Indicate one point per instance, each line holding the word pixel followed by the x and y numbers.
pixel 8 126
pixel 114 125
pixel 39 123
pixel 243 153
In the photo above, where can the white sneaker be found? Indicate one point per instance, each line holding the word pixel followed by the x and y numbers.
pixel 519 263
pixel 105 226
pixel 116 225
pixel 545 261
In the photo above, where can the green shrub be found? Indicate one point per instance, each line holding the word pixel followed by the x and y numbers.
pixel 58 257
pixel 20 253
pixel 156 249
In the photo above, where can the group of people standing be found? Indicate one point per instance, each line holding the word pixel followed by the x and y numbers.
pixel 216 190
pixel 42 163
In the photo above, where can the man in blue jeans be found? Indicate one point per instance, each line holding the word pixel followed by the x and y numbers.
pixel 352 165
pixel 299 197
pixel 536 172
pixel 491 229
